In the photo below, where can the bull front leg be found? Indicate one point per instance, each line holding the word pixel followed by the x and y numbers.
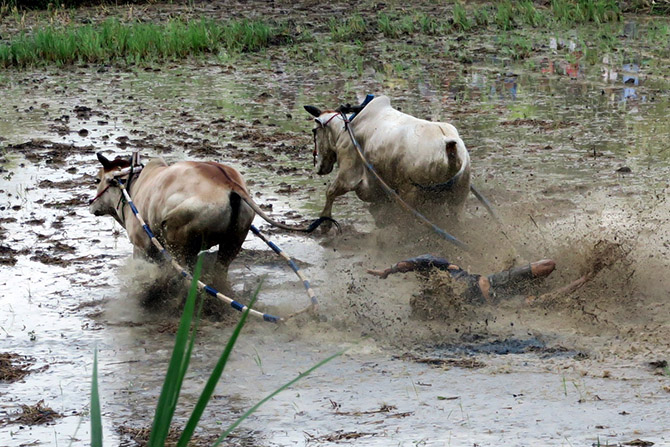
pixel 345 181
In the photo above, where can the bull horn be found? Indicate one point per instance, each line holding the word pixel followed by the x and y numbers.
pixel 313 111
pixel 102 159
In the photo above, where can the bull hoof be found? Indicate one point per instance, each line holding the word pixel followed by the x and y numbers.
pixel 325 227
pixel 324 223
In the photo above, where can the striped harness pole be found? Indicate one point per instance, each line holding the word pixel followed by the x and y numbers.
pixel 293 265
pixel 211 290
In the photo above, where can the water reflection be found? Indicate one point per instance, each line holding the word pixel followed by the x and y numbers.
pixel 628 75
pixel 630 78
pixel 563 67
pixel 507 86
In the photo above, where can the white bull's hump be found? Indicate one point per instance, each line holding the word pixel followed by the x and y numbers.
pixel 381 111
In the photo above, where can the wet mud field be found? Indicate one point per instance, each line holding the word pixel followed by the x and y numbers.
pixel 574 155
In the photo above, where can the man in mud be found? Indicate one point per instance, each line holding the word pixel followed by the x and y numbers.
pixel 480 289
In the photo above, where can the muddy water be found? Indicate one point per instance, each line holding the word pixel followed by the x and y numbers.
pixel 571 153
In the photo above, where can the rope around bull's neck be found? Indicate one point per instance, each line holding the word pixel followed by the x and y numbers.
pixel 212 291
pixel 390 192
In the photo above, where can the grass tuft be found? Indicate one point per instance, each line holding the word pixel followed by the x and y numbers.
pixel 505 13
pixel 460 17
pixel 582 11
pixel 351 29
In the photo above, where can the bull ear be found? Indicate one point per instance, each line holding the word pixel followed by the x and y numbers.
pixel 102 159
pixel 313 111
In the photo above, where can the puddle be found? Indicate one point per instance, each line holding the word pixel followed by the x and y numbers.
pixel 549 145
pixel 508 346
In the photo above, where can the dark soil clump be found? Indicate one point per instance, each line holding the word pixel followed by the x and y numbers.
pixel 46 258
pixel 48 151
pixel 37 414
pixel 7 255
pixel 139 437
pixel 13 367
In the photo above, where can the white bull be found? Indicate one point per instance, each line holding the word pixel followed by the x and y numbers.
pixel 423 161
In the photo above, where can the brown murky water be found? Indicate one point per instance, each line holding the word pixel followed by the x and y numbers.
pixel 571 153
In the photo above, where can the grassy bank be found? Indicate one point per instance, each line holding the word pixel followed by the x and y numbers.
pixel 511 24
pixel 135 43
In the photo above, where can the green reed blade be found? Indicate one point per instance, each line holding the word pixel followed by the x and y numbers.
pixel 214 377
pixel 251 410
pixel 96 417
pixel 178 363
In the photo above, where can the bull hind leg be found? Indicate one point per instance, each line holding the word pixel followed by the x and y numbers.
pixel 230 245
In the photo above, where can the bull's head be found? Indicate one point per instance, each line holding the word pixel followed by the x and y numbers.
pixel 325 140
pixel 107 196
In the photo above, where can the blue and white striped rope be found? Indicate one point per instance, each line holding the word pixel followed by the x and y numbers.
pixel 291 263
pixel 210 290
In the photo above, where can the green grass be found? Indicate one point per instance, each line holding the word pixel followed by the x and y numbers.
pixel 388 26
pixel 146 43
pixel 460 17
pixel 482 16
pixel 138 43
pixel 515 46
pixel 351 29
pixel 530 15
pixel 179 362
pixel 505 14
pixel 582 11
pixel 428 24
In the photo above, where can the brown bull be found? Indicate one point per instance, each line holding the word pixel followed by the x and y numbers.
pixel 189 206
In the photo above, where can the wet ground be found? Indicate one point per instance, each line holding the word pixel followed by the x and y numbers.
pixel 572 153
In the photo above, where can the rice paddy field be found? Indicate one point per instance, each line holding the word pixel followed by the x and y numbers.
pixel 563 107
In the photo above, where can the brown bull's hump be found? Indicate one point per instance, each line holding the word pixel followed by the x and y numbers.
pixel 221 174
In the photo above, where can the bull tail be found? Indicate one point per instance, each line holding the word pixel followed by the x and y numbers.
pixel 308 229
pixel 234 208
pixel 456 152
pixel 241 192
